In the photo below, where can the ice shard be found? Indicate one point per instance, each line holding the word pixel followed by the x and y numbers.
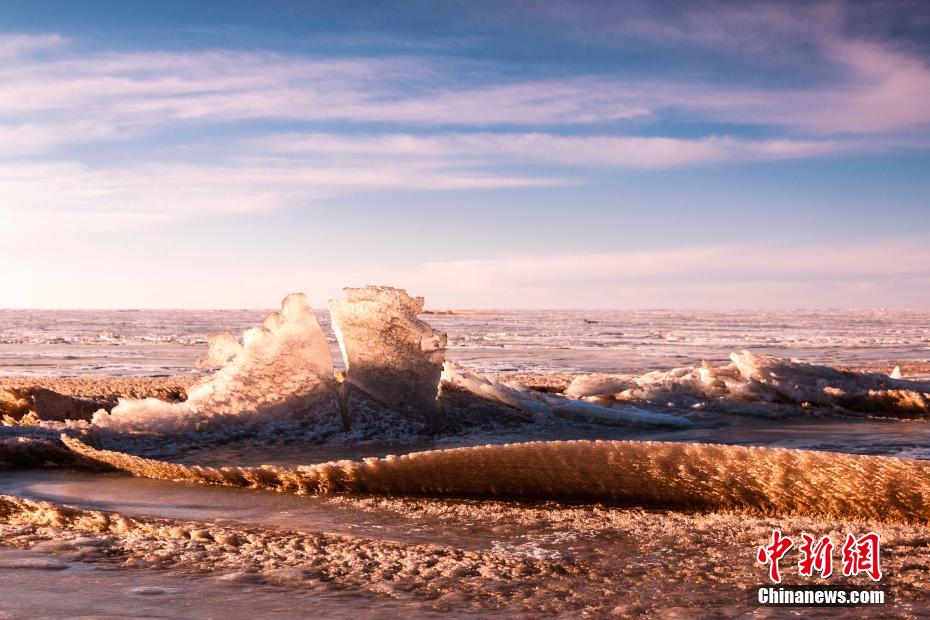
pixel 482 387
pixel 282 371
pixel 597 384
pixel 390 354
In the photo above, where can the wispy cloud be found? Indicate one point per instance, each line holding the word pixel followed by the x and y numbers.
pixel 766 30
pixel 400 123
pixel 859 79
pixel 69 197
pixel 581 151
pixel 297 169
pixel 875 87
pixel 765 260
pixel 135 89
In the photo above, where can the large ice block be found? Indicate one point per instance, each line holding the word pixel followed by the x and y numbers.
pixel 282 371
pixel 389 353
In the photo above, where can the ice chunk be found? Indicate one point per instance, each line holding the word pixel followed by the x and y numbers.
pixel 36 450
pixel 597 384
pixel 544 404
pixel 481 386
pixel 39 403
pixel 14 404
pixel 389 353
pixel 778 383
pixel 282 371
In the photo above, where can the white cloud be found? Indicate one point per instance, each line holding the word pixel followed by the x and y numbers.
pixel 583 151
pixel 290 170
pixel 55 97
pixel 135 89
pixel 56 197
pixel 871 84
pixel 876 88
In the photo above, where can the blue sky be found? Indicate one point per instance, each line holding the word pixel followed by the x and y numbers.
pixel 482 154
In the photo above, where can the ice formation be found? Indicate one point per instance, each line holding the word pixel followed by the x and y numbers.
pixel 597 384
pixel 396 384
pixel 540 404
pixel 389 353
pixel 37 403
pixel 24 451
pixel 283 371
pixel 674 475
pixel 751 380
pixel 481 386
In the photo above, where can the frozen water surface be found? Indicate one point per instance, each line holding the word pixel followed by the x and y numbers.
pixel 140 497
pixel 153 342
pixel 94 592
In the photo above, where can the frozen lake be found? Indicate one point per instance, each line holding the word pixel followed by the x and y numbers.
pixel 158 342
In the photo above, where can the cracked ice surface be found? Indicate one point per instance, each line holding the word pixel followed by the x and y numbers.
pixel 282 371
pixel 389 353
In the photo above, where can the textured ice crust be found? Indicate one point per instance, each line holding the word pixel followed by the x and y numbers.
pixel 283 371
pixel 251 555
pixel 389 353
pixel 760 384
pixel 574 561
pixel 767 481
pixel 36 449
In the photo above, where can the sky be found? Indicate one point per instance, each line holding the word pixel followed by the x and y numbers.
pixel 483 154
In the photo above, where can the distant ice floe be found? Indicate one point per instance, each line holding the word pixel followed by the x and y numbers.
pixel 750 382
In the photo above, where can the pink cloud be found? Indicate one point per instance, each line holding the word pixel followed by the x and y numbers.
pixel 34 195
pixel 877 89
pixel 583 151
